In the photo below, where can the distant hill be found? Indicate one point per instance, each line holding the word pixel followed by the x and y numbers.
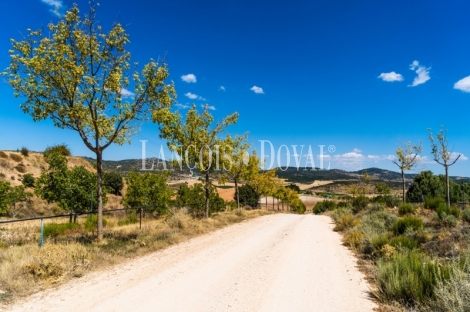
pixel 308 176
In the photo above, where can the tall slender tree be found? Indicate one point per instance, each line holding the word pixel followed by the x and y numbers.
pixel 239 165
pixel 78 76
pixel 407 159
pixel 196 139
pixel 443 155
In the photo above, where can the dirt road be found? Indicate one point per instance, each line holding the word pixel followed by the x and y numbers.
pixel 278 262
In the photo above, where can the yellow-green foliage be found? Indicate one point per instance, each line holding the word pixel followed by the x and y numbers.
pixel 354 239
pixel 346 221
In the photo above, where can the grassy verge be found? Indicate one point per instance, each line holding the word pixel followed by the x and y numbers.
pixel 70 250
pixel 416 259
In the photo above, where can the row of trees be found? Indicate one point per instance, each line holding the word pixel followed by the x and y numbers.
pixel 78 76
pixel 408 157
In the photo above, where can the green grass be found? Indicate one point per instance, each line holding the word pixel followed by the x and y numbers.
pixel 56 229
pixel 407 223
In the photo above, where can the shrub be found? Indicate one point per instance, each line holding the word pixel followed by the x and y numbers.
pixel 354 239
pixel 28 180
pixel 376 207
pixel 24 151
pixel 91 223
pixel 299 207
pixel 433 202
pixel 453 294
pixel 179 220
pixel 61 149
pixel 402 241
pixel 378 241
pixel 404 209
pixel 377 222
pixel 344 204
pixel 56 229
pixel 16 157
pixel 407 223
pixel 449 221
pixel 408 277
pixel 466 215
pixel 392 201
pixel 443 210
pixel 113 182
pixel 3 154
pixel 21 168
pixel 359 203
pixel 346 221
pixel 387 251
pixel 323 206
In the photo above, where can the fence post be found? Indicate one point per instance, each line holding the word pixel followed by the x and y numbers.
pixel 41 237
pixel 71 214
pixel 140 225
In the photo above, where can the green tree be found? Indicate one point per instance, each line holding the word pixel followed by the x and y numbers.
pixel 18 194
pixel 238 165
pixel 148 189
pixel 443 155
pixel 197 139
pixel 382 188
pixel 77 75
pixel 193 198
pixel 72 189
pixel 5 189
pixel 248 196
pixel 113 182
pixel 407 159
pixel 28 180
pixel 294 187
pixel 427 185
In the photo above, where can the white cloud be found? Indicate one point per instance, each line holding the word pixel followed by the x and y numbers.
pixel 207 106
pixel 56 6
pixel 193 96
pixel 257 90
pixel 222 88
pixel 423 74
pixel 356 150
pixel 182 106
pixel 390 77
pixel 189 78
pixel 126 93
pixel 463 84
pixel 454 155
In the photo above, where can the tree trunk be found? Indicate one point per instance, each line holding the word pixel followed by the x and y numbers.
pixel 447 186
pixel 236 192
pixel 266 197
pixel 99 172
pixel 207 194
pixel 403 179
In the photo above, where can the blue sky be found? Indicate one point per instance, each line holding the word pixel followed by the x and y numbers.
pixel 359 75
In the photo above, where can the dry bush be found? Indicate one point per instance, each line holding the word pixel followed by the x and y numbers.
pixel 178 219
pixel 3 154
pixel 16 157
pixel 346 221
pixel 4 164
pixel 354 239
pixel 21 168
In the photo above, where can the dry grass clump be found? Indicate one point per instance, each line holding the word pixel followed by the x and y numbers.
pixel 178 220
pixel 3 154
pixel 346 221
pixel 16 157
pixel 21 168
pixel 354 239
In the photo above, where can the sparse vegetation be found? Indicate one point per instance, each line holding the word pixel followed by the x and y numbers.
pixel 16 157
pixel 24 151
pixel 405 209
